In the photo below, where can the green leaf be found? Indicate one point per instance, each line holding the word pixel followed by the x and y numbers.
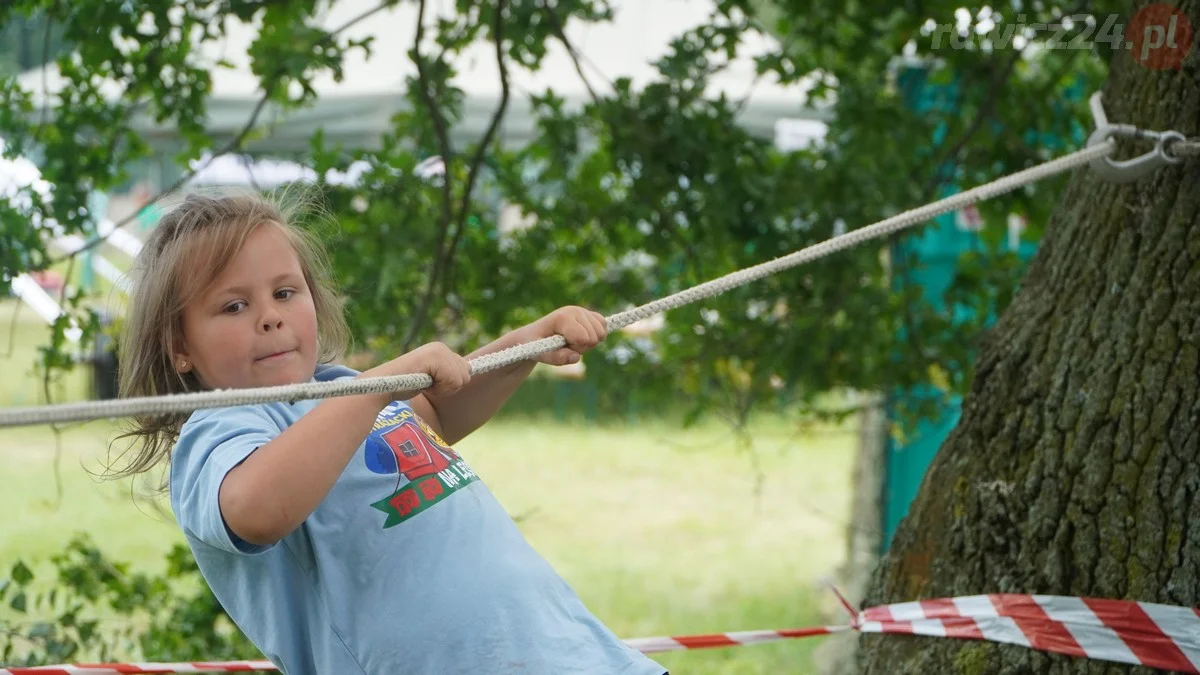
pixel 21 574
pixel 18 602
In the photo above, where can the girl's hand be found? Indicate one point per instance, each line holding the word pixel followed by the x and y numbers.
pixel 450 372
pixel 582 328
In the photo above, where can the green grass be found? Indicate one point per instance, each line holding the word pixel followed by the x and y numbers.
pixel 664 531
pixel 22 332
pixel 661 530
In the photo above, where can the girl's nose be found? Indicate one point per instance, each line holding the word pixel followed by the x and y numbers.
pixel 271 320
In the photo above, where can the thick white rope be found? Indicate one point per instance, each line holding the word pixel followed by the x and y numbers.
pixel 1185 148
pixel 413 383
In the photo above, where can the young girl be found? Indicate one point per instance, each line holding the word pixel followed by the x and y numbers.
pixel 343 536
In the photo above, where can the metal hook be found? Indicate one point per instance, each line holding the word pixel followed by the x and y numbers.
pixel 1129 170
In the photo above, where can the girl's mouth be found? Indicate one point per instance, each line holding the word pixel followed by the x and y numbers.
pixel 276 356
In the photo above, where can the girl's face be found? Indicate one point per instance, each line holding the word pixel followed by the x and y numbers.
pixel 255 325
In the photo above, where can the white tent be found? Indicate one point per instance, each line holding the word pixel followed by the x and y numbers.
pixel 358 109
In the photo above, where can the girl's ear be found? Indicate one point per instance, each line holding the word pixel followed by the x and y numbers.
pixel 180 358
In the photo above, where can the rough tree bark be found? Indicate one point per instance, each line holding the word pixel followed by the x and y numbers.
pixel 1075 469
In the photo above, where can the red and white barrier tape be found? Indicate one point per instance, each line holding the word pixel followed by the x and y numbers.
pixel 141 668
pixel 652 645
pixel 1141 633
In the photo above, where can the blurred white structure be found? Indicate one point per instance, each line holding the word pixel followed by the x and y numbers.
pixel 267 172
pixel 16 174
pixel 263 172
pixel 19 173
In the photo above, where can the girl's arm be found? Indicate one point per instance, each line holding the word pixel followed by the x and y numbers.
pixel 270 493
pixel 456 415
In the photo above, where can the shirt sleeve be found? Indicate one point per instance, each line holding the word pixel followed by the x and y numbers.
pixel 209 447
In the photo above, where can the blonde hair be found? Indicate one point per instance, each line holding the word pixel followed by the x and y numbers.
pixel 189 248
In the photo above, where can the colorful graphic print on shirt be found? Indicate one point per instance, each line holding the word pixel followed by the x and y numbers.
pixel 427 470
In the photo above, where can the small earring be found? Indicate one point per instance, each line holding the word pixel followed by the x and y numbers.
pixel 182 365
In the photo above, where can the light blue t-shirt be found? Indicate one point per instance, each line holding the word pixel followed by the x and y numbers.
pixel 409 565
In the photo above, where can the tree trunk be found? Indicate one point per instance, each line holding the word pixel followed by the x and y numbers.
pixel 1075 469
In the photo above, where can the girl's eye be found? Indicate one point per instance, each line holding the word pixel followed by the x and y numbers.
pixel 233 307
pixel 285 292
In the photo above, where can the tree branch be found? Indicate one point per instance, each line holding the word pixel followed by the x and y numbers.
pixel 950 157
pixel 1051 83
pixel 561 34
pixel 985 113
pixel 37 133
pixel 236 142
pixel 12 330
pixel 57 429
pixel 440 128
pixel 477 160
pixel 689 251
pixel 785 46
pixel 447 151
pixel 250 173
pixel 232 145
pixel 982 116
